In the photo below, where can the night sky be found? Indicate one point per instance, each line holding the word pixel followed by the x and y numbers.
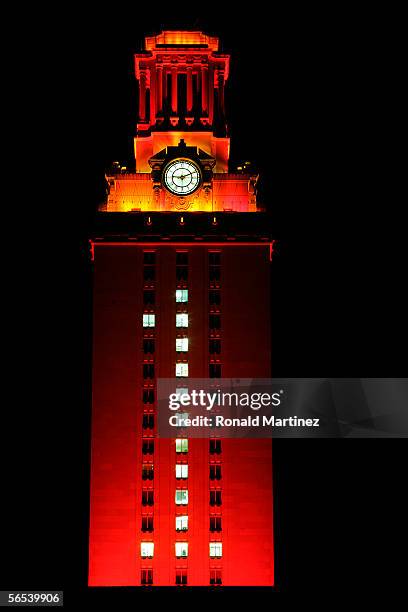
pixel 312 100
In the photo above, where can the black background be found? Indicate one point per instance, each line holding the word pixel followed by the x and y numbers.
pixel 313 101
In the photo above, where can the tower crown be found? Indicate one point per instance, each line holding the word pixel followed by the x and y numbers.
pixel 181 80
pixel 182 144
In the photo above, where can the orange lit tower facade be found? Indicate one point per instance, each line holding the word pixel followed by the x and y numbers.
pixel 181 255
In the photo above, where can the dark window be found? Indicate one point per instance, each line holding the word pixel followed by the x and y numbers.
pixel 181 273
pixel 147 472
pixel 147 447
pixel 148 273
pixel 147 523
pixel 215 472
pixel 215 498
pixel 215 298
pixel 215 370
pixel 181 577
pixel 148 346
pixel 215 273
pixel 146 576
pixel 148 297
pixel 148 396
pixel 215 447
pixel 215 347
pixel 148 421
pixel 149 257
pixel 147 498
pixel 215 523
pixel 214 259
pixel 182 259
pixel 148 370
pixel 215 321
pixel 215 576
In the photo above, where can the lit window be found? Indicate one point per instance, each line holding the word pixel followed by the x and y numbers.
pixel 181 391
pixel 181 418
pixel 181 369
pixel 181 470
pixel 181 549
pixel 181 445
pixel 149 320
pixel 181 523
pixel 181 319
pixel 181 344
pixel 215 549
pixel 181 295
pixel 181 497
pixel 147 549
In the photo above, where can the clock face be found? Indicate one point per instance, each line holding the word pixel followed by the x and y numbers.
pixel 182 177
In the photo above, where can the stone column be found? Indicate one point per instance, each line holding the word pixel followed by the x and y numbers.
pixel 159 88
pixel 142 96
pixel 174 100
pixel 211 93
pixel 152 96
pixel 204 89
pixel 221 83
pixel 189 89
pixel 164 92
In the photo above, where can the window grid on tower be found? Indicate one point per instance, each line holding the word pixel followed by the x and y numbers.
pixel 182 444
pixel 148 416
pixel 214 371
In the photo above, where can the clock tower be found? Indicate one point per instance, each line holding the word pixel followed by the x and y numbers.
pixel 181 254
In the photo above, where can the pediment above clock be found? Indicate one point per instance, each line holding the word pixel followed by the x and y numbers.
pixel 182 150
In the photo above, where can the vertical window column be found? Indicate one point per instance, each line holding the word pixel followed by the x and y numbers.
pixel 148 418
pixel 181 445
pixel 215 464
pixel 182 318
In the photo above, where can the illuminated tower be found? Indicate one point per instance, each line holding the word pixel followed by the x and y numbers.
pixel 181 258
